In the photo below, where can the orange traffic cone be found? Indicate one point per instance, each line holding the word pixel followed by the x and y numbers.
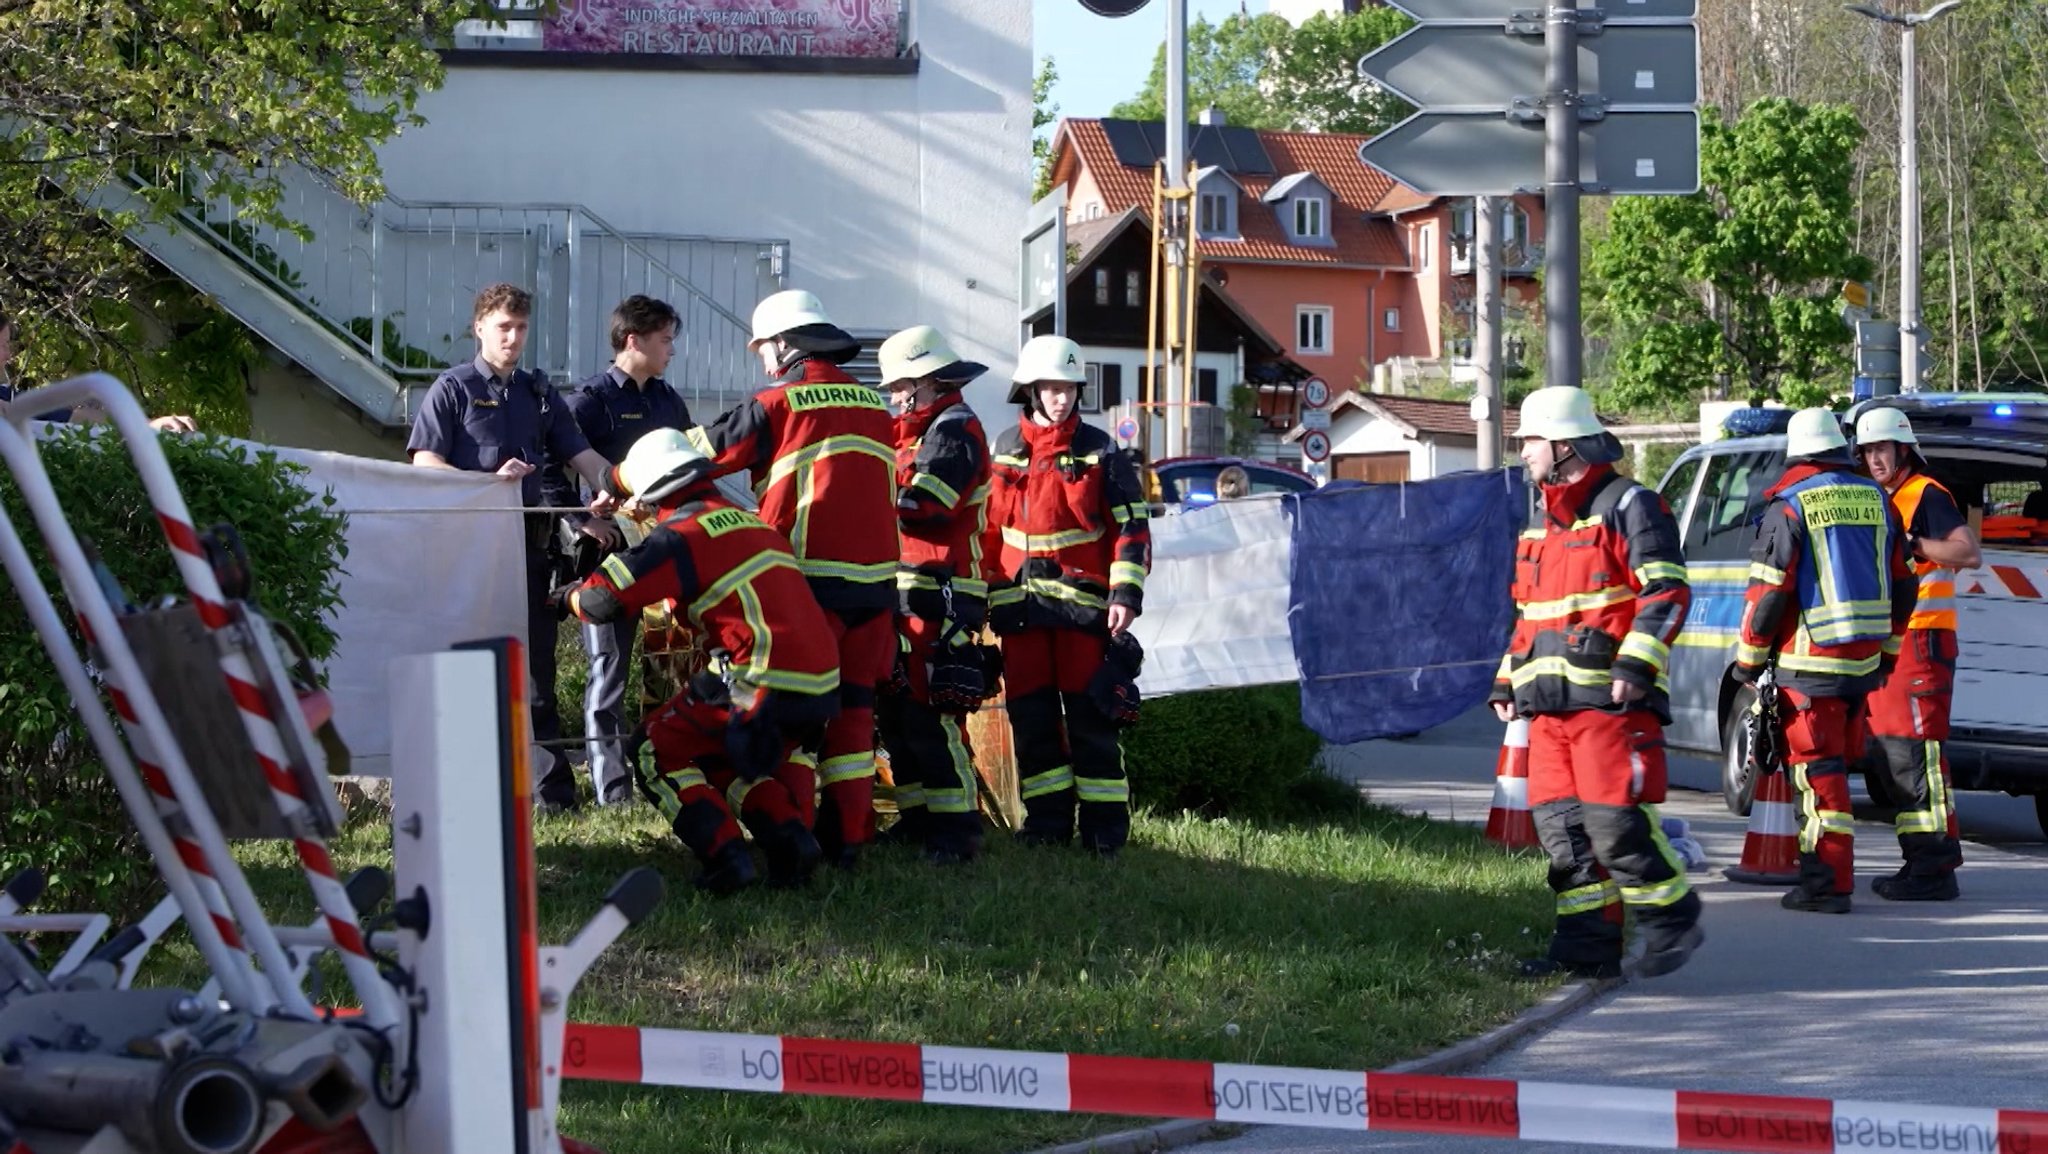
pixel 1509 822
pixel 1770 851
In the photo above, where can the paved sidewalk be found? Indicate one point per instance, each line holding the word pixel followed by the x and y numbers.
pixel 1936 1004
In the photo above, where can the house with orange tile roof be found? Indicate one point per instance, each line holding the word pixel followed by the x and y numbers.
pixel 1348 268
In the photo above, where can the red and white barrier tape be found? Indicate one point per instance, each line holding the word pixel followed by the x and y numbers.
pixel 1277 1095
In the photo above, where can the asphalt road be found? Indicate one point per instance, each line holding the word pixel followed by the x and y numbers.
pixel 1939 1003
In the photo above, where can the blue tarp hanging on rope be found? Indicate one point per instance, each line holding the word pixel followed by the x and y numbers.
pixel 1399 608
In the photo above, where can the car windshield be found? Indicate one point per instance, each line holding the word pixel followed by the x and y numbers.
pixel 1195 484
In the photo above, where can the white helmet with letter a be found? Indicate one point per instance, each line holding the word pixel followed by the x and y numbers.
pixel 1046 358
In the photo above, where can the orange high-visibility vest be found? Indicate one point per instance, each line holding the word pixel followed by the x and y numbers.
pixel 1936 608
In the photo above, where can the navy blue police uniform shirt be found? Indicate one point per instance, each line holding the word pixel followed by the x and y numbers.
pixel 476 422
pixel 54 416
pixel 612 414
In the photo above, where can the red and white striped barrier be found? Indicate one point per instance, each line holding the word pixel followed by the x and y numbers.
pixel 1279 1095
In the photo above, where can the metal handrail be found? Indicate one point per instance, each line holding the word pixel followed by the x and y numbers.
pixel 419 255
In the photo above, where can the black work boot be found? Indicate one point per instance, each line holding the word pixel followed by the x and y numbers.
pixel 1670 937
pixel 792 853
pixel 729 871
pixel 1815 893
pixel 1917 888
pixel 1552 967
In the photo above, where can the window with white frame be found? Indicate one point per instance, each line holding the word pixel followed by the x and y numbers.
pixel 1102 286
pixel 1091 393
pixel 1425 248
pixel 1218 213
pixel 1308 218
pixel 1134 289
pixel 1312 330
pixel 1393 320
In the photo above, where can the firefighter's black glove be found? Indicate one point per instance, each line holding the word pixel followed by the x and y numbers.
pixel 558 599
pixel 1114 687
pixel 754 745
pixel 957 675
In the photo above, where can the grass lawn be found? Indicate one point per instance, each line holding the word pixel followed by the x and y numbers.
pixel 1350 943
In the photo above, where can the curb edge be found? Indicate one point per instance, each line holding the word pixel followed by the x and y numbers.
pixel 1451 1059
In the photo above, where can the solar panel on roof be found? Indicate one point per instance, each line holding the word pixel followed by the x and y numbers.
pixel 1131 143
pixel 1247 151
pixel 1141 144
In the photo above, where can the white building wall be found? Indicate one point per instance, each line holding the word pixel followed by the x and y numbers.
pixel 1352 431
pixel 901 196
pixel 1131 360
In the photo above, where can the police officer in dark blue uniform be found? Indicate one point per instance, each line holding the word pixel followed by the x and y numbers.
pixel 490 416
pixel 614 409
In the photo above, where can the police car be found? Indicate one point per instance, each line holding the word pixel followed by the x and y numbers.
pixel 1991 451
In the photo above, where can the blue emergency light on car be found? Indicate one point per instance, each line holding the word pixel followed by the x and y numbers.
pixel 2001 410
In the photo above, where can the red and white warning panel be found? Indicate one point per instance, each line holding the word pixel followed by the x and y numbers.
pixel 1284 1096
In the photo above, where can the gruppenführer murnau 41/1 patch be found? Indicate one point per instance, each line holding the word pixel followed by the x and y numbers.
pixel 1842 505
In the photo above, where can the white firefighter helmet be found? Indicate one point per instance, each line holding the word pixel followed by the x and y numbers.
pixel 1046 358
pixel 1815 433
pixel 923 351
pixel 1559 413
pixel 660 463
pixel 786 310
pixel 1884 424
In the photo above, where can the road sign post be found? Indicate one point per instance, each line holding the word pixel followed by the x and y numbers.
pixel 1615 91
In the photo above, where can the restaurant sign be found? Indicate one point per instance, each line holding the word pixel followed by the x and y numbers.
pixel 861 29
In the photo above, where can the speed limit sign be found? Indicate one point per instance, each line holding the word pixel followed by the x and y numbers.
pixel 1316 445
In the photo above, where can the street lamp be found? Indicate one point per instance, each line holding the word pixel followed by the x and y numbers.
pixel 1909 187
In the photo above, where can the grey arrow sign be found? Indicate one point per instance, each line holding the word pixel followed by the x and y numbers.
pixel 1480 154
pixel 1441 67
pixel 1429 11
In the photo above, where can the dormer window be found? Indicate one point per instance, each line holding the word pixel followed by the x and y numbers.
pixel 1215 204
pixel 1308 218
pixel 1302 202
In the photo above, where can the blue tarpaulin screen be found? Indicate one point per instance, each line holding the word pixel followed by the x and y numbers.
pixel 1399 609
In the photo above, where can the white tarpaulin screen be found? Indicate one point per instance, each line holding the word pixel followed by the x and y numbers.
pixel 1216 601
pixel 434 558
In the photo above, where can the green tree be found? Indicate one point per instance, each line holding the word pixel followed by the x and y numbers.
pixel 1316 79
pixel 164 97
pixel 1736 285
pixel 1227 64
pixel 1044 115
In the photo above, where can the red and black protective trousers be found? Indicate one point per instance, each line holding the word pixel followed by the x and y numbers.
pixel 1067 508
pixel 1600 592
pixel 820 450
pixel 775 675
pixel 942 477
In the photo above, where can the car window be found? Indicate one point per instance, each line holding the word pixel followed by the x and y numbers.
pixel 1273 481
pixel 1677 486
pixel 1189 482
pixel 1730 502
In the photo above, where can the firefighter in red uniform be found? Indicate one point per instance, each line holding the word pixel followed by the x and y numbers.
pixel 1829 592
pixel 1909 712
pixel 774 678
pixel 1075 549
pixel 942 600
pixel 819 446
pixel 1600 593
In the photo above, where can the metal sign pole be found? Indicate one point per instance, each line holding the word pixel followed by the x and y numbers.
pixel 1175 226
pixel 1486 315
pixel 1561 100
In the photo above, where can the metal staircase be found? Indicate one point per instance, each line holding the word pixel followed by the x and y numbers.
pixel 375 301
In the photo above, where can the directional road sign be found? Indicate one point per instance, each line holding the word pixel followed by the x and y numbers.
pixel 1481 154
pixel 1443 67
pixel 1497 11
pixel 1112 7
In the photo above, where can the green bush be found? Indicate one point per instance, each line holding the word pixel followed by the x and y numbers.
pixel 58 810
pixel 1234 751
